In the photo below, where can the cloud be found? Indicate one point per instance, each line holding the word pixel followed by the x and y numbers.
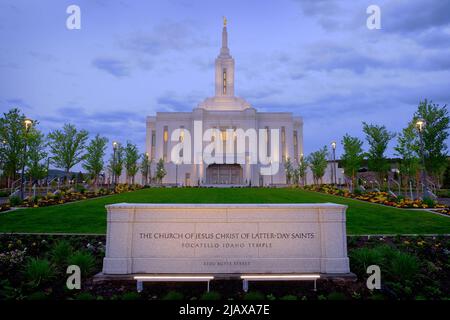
pixel 17 103
pixel 409 16
pixel 173 102
pixel 165 37
pixel 112 66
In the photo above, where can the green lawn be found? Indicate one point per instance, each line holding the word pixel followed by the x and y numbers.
pixel 89 216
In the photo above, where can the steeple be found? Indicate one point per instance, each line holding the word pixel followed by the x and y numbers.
pixel 224 50
pixel 224 67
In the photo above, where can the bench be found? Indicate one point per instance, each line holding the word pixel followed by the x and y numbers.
pixel 279 277
pixel 170 278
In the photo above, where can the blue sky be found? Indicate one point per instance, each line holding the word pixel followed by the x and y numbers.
pixel 315 58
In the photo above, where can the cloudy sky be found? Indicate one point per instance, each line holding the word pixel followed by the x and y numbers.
pixel 315 58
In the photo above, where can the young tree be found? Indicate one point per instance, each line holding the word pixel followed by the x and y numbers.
pixel 318 163
pixel 12 139
pixel 145 168
pixel 160 170
pixel 378 138
pixel 67 147
pixel 434 135
pixel 408 150
pixel 93 162
pixel 116 165
pixel 289 170
pixel 131 161
pixel 353 156
pixel 301 170
pixel 36 153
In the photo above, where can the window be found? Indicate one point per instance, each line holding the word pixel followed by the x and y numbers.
pixel 295 145
pixel 224 81
pixel 267 141
pixel 166 139
pixel 152 151
pixel 283 143
pixel 181 140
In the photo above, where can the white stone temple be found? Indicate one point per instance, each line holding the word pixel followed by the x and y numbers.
pixel 223 111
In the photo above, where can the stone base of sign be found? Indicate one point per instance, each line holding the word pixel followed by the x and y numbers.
pixel 226 239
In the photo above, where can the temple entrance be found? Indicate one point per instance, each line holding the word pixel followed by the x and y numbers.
pixel 224 174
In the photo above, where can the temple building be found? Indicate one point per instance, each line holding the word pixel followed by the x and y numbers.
pixel 222 112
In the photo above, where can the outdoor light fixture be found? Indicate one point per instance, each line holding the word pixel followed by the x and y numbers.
pixel 28 123
pixel 115 145
pixel 420 124
pixel 333 167
pixel 280 277
pixel 181 278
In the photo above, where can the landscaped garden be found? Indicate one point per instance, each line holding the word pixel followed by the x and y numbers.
pixel 33 267
pixel 89 216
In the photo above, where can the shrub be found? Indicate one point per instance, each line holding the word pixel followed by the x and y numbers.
pixel 39 295
pixel 81 189
pixel 85 260
pixel 429 202
pixel 357 192
pixel 254 295
pixel 4 194
pixel 386 252
pixel 39 271
pixel 336 296
pixel 61 252
pixel 131 296
pixel 289 297
pixel 173 295
pixel 361 258
pixel 212 295
pixel 15 201
pixel 84 296
pixel 403 266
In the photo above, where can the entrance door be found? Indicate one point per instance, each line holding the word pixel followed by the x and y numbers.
pixel 224 174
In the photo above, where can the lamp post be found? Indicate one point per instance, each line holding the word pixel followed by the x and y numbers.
pixel 420 125
pixel 115 144
pixel 27 123
pixel 333 167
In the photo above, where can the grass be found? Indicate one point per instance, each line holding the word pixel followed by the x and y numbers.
pixel 89 216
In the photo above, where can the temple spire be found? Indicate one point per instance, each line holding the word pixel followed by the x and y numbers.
pixel 224 50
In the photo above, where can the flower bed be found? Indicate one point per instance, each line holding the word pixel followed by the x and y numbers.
pixel 70 195
pixel 383 198
pixel 33 267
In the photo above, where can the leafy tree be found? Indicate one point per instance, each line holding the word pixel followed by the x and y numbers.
pixel 116 166
pixel 12 138
pixel 353 156
pixel 289 170
pixel 67 147
pixel 131 161
pixel 318 163
pixel 36 153
pixel 160 170
pixel 435 134
pixel 408 149
pixel 378 138
pixel 93 161
pixel 145 168
pixel 299 173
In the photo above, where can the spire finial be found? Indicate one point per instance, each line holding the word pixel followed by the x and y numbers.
pixel 224 21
